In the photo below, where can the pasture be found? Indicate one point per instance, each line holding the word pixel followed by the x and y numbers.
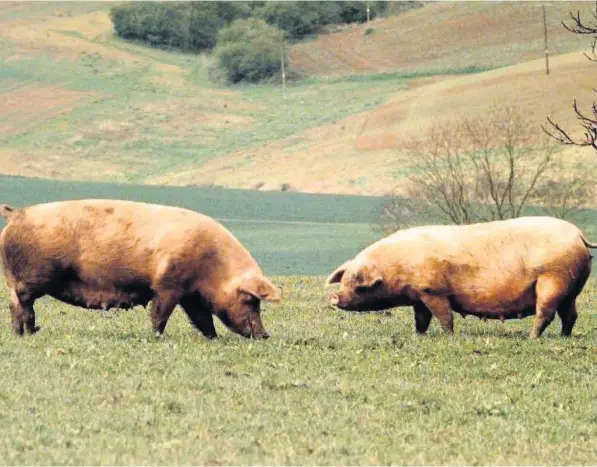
pixel 328 388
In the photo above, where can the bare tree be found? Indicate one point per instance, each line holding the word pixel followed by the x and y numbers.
pixel 587 121
pixel 492 168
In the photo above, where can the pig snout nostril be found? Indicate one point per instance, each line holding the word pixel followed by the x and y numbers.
pixel 334 299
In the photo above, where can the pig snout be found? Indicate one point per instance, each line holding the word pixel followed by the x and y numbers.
pixel 339 301
pixel 264 335
pixel 256 329
pixel 334 299
pixel 346 301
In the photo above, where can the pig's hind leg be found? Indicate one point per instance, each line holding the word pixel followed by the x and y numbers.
pixel 550 292
pixel 567 308
pixel 22 312
pixel 568 315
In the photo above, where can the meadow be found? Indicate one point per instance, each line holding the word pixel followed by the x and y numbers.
pixel 329 388
pixel 78 103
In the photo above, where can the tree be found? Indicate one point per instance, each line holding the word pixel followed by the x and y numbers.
pixel 587 121
pixel 250 50
pixel 297 19
pixel 492 168
pixel 186 25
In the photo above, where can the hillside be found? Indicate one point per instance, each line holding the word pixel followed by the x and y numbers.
pixel 441 37
pixel 77 103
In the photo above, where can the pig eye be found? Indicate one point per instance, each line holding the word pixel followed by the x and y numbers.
pixel 249 299
pixel 367 288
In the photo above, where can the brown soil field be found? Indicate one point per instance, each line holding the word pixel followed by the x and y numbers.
pixel 364 154
pixel 442 36
pixel 23 108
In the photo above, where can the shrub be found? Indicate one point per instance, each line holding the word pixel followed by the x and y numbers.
pixel 298 19
pixel 356 12
pixel 249 50
pixel 188 25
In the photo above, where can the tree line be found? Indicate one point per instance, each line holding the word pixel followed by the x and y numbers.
pixel 247 38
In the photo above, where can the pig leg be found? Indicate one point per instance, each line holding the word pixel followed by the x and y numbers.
pixel 422 318
pixel 549 291
pixel 162 306
pixel 568 315
pixel 567 308
pixel 22 312
pixel 200 318
pixel 440 308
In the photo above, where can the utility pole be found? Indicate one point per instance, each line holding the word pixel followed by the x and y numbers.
pixel 545 41
pixel 283 70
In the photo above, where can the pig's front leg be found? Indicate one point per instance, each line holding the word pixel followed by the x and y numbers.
pixel 200 317
pixel 440 308
pixel 422 317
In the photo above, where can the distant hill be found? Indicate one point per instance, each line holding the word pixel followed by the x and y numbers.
pixel 78 103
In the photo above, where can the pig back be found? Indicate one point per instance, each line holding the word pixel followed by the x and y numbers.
pixel 484 256
pixel 107 241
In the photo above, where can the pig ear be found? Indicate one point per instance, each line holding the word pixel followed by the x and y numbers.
pixel 260 287
pixel 336 276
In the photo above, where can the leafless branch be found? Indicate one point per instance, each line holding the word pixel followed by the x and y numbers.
pixel 487 169
pixel 588 123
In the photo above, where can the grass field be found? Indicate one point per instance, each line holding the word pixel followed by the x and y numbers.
pixel 329 388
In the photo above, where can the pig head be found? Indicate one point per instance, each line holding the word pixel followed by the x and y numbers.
pixel 363 287
pixel 239 307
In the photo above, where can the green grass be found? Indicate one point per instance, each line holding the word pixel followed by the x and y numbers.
pixel 328 388
pixel 397 76
pixel 121 93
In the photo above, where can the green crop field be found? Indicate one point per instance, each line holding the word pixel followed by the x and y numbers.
pixel 288 233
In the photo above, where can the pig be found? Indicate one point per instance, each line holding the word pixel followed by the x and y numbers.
pixel 507 269
pixel 102 254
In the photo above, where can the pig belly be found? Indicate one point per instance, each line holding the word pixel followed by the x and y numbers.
pixel 78 293
pixel 504 305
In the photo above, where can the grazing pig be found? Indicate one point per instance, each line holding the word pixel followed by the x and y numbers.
pixel 495 270
pixel 106 253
